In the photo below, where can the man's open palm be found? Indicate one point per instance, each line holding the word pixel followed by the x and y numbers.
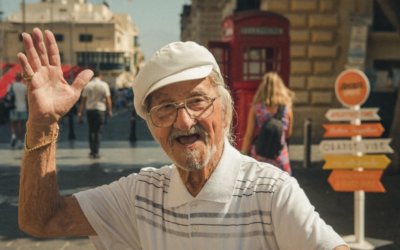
pixel 49 95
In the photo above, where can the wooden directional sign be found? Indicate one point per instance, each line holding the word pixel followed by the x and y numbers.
pixel 349 181
pixel 353 161
pixel 365 114
pixel 348 130
pixel 352 87
pixel 366 146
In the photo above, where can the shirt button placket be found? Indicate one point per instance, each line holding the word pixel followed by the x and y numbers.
pixel 192 209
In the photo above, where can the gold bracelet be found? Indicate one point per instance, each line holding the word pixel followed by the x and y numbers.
pixel 53 138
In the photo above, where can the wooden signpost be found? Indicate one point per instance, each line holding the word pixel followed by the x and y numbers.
pixel 350 181
pixel 338 115
pixel 357 165
pixel 349 130
pixel 354 162
pixel 352 88
pixel 368 146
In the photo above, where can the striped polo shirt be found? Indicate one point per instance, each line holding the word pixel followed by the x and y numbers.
pixel 245 204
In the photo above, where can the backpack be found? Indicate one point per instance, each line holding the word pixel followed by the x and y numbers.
pixel 268 142
pixel 9 99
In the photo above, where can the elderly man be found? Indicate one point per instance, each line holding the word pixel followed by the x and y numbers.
pixel 211 197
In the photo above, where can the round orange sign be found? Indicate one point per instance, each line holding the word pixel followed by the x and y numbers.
pixel 352 87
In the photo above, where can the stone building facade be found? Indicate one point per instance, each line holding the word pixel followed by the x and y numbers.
pixel 327 36
pixel 88 35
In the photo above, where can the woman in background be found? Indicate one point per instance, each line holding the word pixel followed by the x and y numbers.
pixel 270 96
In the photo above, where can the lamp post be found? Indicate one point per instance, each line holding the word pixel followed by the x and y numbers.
pixel 23 16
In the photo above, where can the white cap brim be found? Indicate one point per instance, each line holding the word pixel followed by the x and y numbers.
pixel 188 74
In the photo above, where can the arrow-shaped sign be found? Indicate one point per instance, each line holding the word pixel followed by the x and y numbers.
pixel 348 130
pixel 350 181
pixel 353 161
pixel 366 146
pixel 365 114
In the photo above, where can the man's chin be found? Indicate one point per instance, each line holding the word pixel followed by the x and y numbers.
pixel 190 160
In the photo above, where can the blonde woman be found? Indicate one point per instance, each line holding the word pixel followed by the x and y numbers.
pixel 272 95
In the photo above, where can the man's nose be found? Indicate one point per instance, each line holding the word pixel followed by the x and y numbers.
pixel 183 119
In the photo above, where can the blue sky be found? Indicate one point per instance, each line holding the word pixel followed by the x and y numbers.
pixel 158 20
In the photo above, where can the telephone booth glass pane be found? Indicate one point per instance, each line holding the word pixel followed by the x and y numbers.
pixel 257 61
pixel 222 57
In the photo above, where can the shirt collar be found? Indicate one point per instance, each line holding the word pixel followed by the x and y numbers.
pixel 219 186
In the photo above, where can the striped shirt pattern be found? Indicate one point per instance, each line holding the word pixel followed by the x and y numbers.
pixel 244 205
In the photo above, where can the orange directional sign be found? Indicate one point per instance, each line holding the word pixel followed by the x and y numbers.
pixel 350 181
pixel 353 161
pixel 365 114
pixel 352 87
pixel 348 130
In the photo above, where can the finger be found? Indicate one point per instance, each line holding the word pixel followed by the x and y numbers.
pixel 52 48
pixel 26 67
pixel 40 46
pixel 81 80
pixel 30 51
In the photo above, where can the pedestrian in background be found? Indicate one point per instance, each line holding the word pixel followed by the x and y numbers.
pixel 96 98
pixel 19 113
pixel 272 96
pixel 209 197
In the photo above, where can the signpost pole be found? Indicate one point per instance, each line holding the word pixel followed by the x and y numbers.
pixel 359 216
pixel 358 241
pixel 359 196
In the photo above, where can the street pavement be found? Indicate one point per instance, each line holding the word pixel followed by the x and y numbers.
pixel 120 157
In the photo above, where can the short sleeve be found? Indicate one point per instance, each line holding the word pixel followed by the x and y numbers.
pixel 107 89
pixel 110 210
pixel 295 218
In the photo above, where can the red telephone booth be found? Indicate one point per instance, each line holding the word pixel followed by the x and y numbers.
pixel 253 43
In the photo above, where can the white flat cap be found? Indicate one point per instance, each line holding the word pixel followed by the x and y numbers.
pixel 175 62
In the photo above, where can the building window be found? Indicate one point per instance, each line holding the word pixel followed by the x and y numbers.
pixel 85 38
pixel 127 63
pixel 257 61
pixel 221 52
pixel 59 37
pixel 381 23
pixel 101 60
pixel 386 75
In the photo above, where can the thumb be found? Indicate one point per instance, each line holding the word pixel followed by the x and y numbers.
pixel 82 79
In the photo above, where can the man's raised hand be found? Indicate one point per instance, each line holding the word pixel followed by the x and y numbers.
pixel 49 94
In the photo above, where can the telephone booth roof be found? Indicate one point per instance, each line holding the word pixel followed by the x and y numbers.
pixel 255 23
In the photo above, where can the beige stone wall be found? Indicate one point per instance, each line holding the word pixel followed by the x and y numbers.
pixel 320 37
pixel 203 23
pixel 314 52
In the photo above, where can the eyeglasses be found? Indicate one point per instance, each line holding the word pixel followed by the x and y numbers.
pixel 198 107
